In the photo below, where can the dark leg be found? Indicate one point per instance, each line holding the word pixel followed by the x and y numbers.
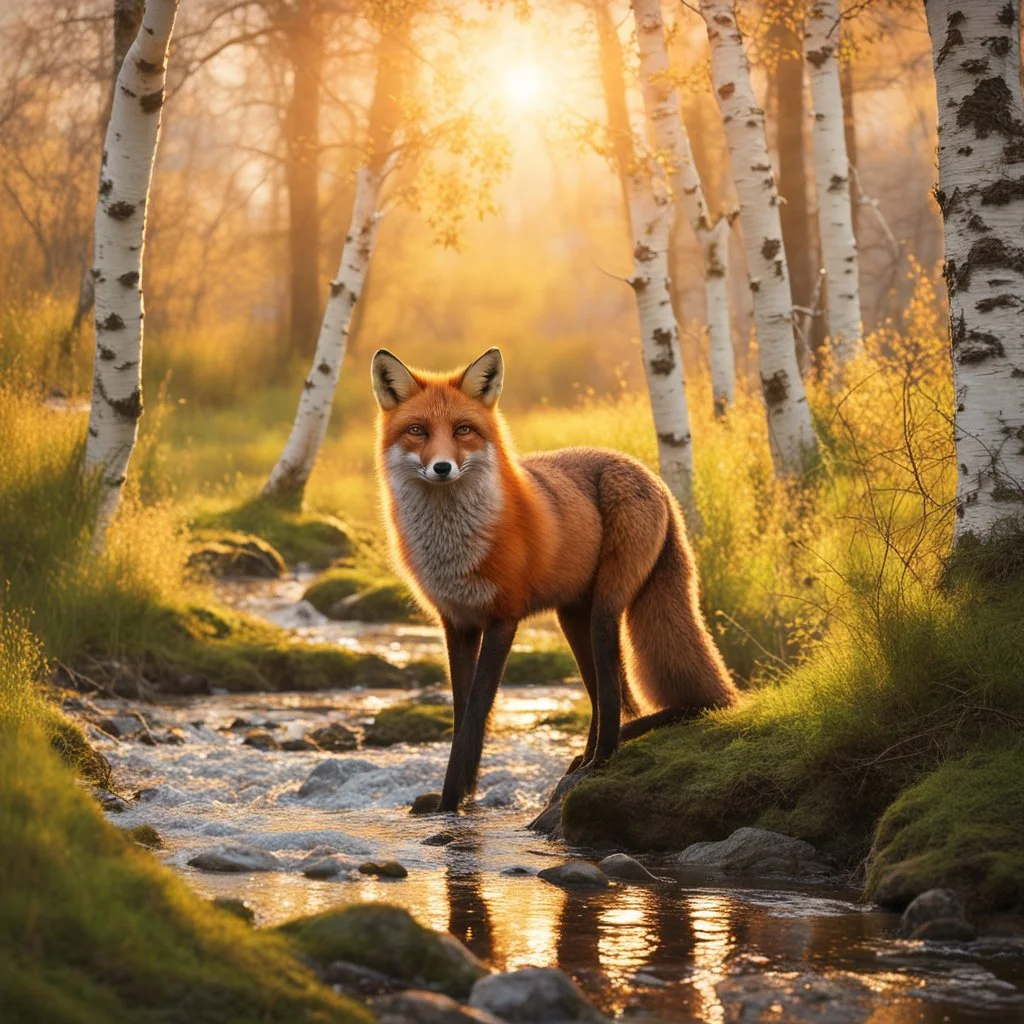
pixel 463 650
pixel 575 623
pixel 468 744
pixel 604 631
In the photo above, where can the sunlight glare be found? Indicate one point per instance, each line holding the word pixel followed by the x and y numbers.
pixel 523 85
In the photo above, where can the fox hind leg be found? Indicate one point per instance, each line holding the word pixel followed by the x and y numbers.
pixel 575 623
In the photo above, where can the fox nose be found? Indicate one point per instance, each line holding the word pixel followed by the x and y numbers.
pixel 442 469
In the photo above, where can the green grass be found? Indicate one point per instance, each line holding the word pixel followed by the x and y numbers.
pixel 921 681
pixel 93 930
pixel 410 723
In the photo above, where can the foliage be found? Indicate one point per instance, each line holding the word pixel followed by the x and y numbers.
pixel 410 723
pixel 93 930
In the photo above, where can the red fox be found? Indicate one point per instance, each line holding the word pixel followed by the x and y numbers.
pixel 486 539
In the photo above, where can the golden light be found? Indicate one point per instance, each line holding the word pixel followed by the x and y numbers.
pixel 523 85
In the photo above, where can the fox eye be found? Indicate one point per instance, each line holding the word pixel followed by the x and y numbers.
pixel 416 430
pixel 463 429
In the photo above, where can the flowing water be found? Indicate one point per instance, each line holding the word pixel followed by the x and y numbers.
pixel 689 948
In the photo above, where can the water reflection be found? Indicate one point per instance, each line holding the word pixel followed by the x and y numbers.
pixel 713 942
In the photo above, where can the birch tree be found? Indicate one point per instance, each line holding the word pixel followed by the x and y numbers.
pixel 649 213
pixel 789 418
pixel 976 56
pixel 119 236
pixel 662 104
pixel 832 180
pixel 288 478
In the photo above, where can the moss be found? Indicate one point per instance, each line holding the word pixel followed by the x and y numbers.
pixel 230 553
pixel 539 667
pixel 410 723
pixel 962 828
pixel 77 753
pixel 146 835
pixel 352 593
pixel 574 719
pixel 387 939
pixel 426 672
pixel 94 930
pixel 313 538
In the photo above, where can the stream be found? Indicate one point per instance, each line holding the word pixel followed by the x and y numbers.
pixel 680 950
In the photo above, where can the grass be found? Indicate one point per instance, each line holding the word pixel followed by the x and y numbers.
pixel 367 595
pixel 93 930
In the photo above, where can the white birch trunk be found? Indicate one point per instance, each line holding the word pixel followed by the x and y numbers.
pixel 119 236
pixel 714 244
pixel 832 180
pixel 789 418
pixel 976 55
pixel 649 219
pixel 662 104
pixel 290 473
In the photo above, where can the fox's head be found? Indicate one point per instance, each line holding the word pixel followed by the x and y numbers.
pixel 437 427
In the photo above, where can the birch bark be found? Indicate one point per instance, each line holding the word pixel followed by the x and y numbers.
pixel 119 237
pixel 976 56
pixel 649 222
pixel 287 481
pixel 832 180
pixel 789 418
pixel 662 104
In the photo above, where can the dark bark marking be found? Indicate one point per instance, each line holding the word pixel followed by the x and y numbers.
pixel 307 385
pixel 996 302
pixel 662 366
pixel 106 354
pixel 988 109
pixel 336 289
pixel 152 101
pixel 127 364
pixel 130 279
pixel 120 210
pixel 775 388
pixel 986 252
pixel 128 92
pixel 726 90
pixel 837 183
pixel 112 323
pixel 662 335
pixel 106 186
pixel 146 67
pixel 975 66
pixel 770 248
pixel 1001 192
pixel 976 347
pixel 324 368
pixel 643 253
pixel 999 45
pixel 818 57
pixel 674 440
pixel 954 37
pixel 975 223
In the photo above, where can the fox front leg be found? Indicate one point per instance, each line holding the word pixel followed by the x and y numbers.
pixel 463 645
pixel 468 744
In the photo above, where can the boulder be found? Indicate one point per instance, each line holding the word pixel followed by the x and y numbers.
pixel 624 868
pixel 937 914
pixel 235 857
pixel 335 738
pixel 417 1007
pixel 329 775
pixel 384 869
pixel 426 803
pixel 757 852
pixel 575 873
pixel 534 995
pixel 357 980
pixel 260 739
pixel 390 940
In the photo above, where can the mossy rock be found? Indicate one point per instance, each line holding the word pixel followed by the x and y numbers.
pixel 961 828
pixel 75 750
pixel 387 939
pixel 313 538
pixel 410 723
pixel 230 554
pixel 426 672
pixel 538 668
pixel 96 931
pixel 348 593
pixel 147 836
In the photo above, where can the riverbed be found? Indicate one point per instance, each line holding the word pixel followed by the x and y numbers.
pixel 691 947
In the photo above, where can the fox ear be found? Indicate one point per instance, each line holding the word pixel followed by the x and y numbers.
pixel 482 379
pixel 392 382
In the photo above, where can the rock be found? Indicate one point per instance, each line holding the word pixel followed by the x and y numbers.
pixel 317 853
pixel 237 554
pixel 111 802
pixel 357 980
pixel 326 867
pixel 626 869
pixel 329 775
pixel 575 873
pixel 237 907
pixel 235 857
pixel 518 871
pixel 120 726
pixel 174 737
pixel 260 739
pixel 758 853
pixel 534 995
pixel 426 803
pixel 897 888
pixel 335 738
pixel 439 839
pixel 503 794
pixel 937 914
pixel 390 940
pixel 417 1007
pixel 299 743
pixel 794 998
pixel 384 869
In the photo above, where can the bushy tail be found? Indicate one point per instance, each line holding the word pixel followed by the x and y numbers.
pixel 673 665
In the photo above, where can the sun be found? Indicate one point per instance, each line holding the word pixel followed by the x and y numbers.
pixel 523 85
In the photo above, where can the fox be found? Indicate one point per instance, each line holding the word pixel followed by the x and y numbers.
pixel 486 538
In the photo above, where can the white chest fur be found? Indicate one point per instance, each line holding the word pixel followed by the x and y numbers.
pixel 448 529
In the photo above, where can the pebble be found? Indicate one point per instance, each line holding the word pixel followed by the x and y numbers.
pixel 575 873
pixel 335 738
pixel 260 739
pixel 384 869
